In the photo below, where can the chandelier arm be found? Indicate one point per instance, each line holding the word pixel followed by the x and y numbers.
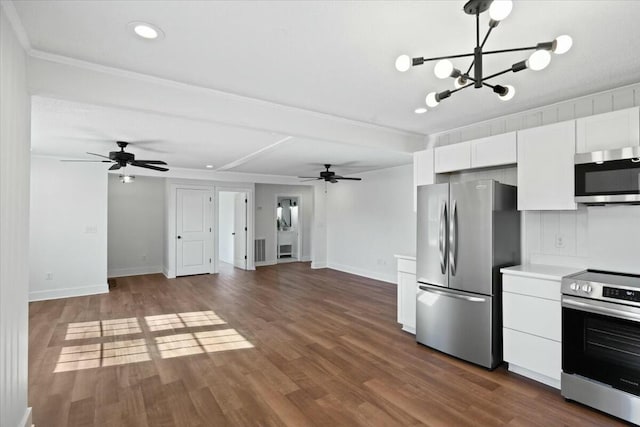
pixel 420 60
pixel 497 74
pixel 461 87
pixel 518 49
pixel 488 85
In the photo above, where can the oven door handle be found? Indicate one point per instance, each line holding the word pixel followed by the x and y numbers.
pixel 602 308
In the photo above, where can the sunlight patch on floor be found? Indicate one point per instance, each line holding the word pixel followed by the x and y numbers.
pixel 201 342
pixel 164 322
pixel 89 356
pixel 102 328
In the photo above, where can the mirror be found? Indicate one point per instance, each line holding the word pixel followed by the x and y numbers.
pixel 287 213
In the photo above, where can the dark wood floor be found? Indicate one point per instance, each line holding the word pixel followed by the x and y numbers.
pixel 284 345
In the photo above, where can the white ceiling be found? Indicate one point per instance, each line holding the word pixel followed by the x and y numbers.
pixel 69 129
pixel 330 57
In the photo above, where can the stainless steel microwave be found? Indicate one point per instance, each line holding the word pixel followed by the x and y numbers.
pixel 611 176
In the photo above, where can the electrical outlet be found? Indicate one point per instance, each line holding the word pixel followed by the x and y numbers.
pixel 559 240
pixel 48 276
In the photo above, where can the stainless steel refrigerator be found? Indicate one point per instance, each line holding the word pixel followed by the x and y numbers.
pixel 466 233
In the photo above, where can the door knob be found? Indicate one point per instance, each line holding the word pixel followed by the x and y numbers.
pixel 233 234
pixel 179 237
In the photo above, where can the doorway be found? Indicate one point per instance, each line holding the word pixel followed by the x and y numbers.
pixel 194 226
pixel 232 228
pixel 288 229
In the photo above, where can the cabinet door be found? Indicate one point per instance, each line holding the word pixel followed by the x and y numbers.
pixel 494 150
pixel 609 131
pixel 423 173
pixel 536 354
pixel 453 157
pixel 545 167
pixel 407 301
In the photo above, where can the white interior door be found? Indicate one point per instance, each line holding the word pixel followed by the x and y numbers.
pixel 194 234
pixel 240 231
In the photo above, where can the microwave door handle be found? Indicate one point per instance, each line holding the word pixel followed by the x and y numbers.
pixel 442 238
pixel 453 238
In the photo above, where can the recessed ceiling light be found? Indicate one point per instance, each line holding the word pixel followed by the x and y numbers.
pixel 146 31
pixel 420 110
pixel 209 166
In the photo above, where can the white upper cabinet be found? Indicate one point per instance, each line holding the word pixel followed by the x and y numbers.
pixel 494 150
pixel 423 173
pixel 453 157
pixel 608 131
pixel 545 167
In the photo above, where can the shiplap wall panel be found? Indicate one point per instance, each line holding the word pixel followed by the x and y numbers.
pixel 14 227
pixel 541 229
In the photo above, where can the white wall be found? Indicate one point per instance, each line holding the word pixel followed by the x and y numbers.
pixel 14 227
pixel 135 226
pixel 226 209
pixel 68 236
pixel 370 221
pixel 561 237
pixel 265 216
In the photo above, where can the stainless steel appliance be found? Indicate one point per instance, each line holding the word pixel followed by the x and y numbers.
pixel 466 233
pixel 601 342
pixel 608 176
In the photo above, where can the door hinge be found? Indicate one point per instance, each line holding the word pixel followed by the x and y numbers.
pixel 209 260
pixel 245 257
pixel 209 229
pixel 245 229
pixel 245 200
pixel 210 199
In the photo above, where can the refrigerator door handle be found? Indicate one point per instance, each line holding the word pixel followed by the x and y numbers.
pixel 449 294
pixel 453 238
pixel 442 238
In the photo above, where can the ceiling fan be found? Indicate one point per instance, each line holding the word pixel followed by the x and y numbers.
pixel 328 176
pixel 121 159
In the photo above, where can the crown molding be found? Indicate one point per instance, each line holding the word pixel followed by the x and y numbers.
pixel 147 78
pixel 16 23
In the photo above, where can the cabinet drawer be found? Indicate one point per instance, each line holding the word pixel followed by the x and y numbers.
pixel 494 150
pixel 536 354
pixel 549 289
pixel 407 266
pixel 537 316
pixel 453 157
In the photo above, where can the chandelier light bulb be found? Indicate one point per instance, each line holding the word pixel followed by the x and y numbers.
pixel 500 9
pixel 511 91
pixel 459 82
pixel 562 44
pixel 403 63
pixel 539 60
pixel 443 69
pixel 431 100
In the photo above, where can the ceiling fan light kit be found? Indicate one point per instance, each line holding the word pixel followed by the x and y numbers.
pixel 444 68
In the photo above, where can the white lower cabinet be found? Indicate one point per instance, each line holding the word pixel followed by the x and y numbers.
pixel 407 289
pixel 532 327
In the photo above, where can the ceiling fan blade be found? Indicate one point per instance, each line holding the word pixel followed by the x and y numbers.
pixel 92 161
pixel 99 155
pixel 115 167
pixel 333 180
pixel 152 162
pixel 309 179
pixel 144 165
pixel 351 179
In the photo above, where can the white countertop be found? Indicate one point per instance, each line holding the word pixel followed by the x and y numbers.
pixel 409 257
pixel 540 271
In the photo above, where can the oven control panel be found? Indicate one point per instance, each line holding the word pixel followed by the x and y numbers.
pixel 623 294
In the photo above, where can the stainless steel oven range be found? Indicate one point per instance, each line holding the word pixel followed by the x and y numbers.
pixel 601 342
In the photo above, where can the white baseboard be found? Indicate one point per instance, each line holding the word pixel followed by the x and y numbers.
pixel 316 265
pixel 551 382
pixel 169 274
pixel 26 420
pixel 134 271
pixel 364 273
pixel 264 263
pixel 68 292
pixel 305 259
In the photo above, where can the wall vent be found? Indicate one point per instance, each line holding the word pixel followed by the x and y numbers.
pixel 260 250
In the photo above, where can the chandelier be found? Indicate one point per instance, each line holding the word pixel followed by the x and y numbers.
pixel 498 10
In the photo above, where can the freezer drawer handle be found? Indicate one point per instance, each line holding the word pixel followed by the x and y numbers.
pixel 442 242
pixel 447 294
